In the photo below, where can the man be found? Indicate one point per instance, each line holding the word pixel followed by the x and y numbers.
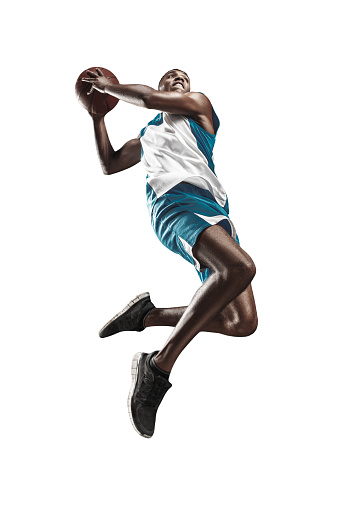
pixel 189 213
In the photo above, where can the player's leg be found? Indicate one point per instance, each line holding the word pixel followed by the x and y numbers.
pixel 238 318
pixel 232 272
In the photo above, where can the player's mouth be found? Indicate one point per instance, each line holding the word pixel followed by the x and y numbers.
pixel 178 83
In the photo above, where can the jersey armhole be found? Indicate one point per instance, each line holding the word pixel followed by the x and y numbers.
pixel 215 118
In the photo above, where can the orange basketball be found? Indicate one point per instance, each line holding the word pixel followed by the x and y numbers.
pixel 96 102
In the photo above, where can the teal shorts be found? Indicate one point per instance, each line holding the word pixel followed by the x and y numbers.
pixel 181 214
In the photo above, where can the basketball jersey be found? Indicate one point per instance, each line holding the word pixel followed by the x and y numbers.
pixel 176 149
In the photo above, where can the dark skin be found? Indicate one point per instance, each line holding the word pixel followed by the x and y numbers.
pixel 174 96
pixel 224 303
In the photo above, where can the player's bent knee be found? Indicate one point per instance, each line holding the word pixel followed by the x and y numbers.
pixel 249 268
pixel 243 326
pixel 244 329
pixel 243 270
pixel 250 326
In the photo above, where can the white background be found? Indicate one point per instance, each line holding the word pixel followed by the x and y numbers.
pixel 249 422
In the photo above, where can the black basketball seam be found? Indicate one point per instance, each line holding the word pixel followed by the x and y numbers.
pixel 106 103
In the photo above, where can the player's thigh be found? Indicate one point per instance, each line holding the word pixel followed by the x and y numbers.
pixel 217 250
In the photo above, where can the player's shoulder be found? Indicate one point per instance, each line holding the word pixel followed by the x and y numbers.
pixel 199 96
pixel 201 100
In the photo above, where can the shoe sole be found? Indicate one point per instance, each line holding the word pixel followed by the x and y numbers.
pixel 126 308
pixel 134 372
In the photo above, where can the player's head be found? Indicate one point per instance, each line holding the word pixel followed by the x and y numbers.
pixel 175 80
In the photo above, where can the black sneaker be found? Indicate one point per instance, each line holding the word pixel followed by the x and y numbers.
pixel 130 318
pixel 146 394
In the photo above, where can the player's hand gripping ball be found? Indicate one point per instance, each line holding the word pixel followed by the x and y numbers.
pixel 90 92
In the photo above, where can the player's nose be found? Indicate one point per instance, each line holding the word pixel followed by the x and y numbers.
pixel 179 79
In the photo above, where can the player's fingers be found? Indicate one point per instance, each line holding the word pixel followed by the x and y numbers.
pixel 92 74
pixel 89 80
pixel 91 90
pixel 99 71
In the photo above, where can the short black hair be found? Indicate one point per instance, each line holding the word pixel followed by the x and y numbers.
pixel 171 71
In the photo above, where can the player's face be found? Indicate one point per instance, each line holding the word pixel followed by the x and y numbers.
pixel 175 81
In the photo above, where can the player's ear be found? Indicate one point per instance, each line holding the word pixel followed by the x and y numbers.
pixel 161 84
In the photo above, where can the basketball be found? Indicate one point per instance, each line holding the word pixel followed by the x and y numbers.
pixel 96 102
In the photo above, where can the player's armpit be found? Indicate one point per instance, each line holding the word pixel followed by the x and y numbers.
pixel 128 155
pixel 189 104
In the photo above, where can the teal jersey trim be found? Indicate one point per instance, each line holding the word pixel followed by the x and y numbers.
pixel 206 140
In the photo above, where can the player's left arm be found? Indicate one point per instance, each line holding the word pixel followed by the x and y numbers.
pixel 190 104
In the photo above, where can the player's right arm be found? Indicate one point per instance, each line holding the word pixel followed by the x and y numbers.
pixel 114 161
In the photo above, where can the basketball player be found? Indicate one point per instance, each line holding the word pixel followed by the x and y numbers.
pixel 189 212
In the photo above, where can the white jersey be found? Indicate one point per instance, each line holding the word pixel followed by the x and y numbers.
pixel 176 149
